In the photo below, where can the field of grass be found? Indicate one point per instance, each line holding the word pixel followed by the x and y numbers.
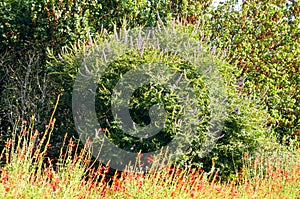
pixel 28 173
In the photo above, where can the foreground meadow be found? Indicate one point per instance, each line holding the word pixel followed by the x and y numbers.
pixel 28 173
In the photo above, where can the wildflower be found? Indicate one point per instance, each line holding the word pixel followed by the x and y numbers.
pixel 8 144
pixel 116 182
pixel 52 122
pixel 50 161
pixel 178 172
pixel 71 144
pixel 54 187
pixel 149 159
pixel 50 175
pixel 171 170
pixel 100 170
pixel 88 142
pixel 76 158
pixel 5 178
pixel 140 184
pixel 218 189
pixel 247 186
pixel 22 156
pixel 36 134
pixel 25 131
pixel 107 169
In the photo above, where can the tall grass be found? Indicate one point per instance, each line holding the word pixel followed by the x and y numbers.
pixel 28 173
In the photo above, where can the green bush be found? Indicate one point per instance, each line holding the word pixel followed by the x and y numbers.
pixel 262 39
pixel 243 128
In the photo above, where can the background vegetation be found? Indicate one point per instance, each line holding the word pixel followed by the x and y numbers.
pixel 262 39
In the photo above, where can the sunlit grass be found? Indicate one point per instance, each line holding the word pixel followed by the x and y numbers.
pixel 29 174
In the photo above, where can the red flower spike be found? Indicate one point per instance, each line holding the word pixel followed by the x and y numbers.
pixel 149 159
pixel 51 122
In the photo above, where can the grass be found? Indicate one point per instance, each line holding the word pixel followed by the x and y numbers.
pixel 28 173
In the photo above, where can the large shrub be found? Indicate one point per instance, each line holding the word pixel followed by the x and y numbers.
pixel 243 128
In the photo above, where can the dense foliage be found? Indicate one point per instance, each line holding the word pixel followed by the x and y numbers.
pixel 263 39
pixel 57 23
